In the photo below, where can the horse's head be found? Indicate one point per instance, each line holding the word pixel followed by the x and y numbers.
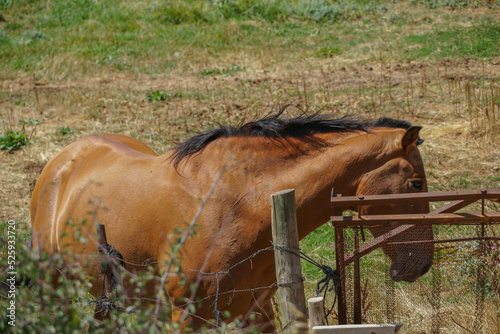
pixel 400 170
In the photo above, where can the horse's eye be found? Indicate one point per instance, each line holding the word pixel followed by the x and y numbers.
pixel 417 185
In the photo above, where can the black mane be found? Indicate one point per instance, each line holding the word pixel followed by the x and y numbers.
pixel 275 127
pixel 385 122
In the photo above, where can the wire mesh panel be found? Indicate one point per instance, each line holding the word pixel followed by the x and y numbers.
pixel 435 297
pixel 349 277
pixel 459 294
pixel 390 298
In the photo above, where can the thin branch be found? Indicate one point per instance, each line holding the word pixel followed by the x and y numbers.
pixel 468 330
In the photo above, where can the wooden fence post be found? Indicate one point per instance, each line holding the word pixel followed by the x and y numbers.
pixel 288 269
pixel 113 271
pixel 316 312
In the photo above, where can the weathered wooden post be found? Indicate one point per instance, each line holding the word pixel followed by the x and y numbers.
pixel 103 244
pixel 112 265
pixel 316 308
pixel 288 269
pixel 113 270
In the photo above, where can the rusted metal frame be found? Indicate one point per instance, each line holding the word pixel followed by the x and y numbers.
pixel 376 243
pixel 474 195
pixel 341 291
pixel 391 234
pixel 440 241
pixel 357 279
pixel 419 219
pixel 453 206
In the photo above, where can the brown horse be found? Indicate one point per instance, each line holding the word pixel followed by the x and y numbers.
pixel 224 178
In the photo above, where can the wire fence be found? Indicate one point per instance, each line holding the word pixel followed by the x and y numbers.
pixel 326 285
pixel 460 293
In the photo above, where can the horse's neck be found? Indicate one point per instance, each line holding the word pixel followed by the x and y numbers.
pixel 257 165
pixel 338 168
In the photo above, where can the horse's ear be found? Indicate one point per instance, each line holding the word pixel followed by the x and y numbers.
pixel 411 136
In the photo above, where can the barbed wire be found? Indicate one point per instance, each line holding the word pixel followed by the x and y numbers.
pixel 106 306
pixel 106 303
pixel 322 286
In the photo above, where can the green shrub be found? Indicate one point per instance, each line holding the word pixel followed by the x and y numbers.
pixel 225 71
pixel 14 140
pixel 65 130
pixel 54 297
pixel 160 95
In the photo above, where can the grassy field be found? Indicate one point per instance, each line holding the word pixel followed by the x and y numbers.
pixel 162 71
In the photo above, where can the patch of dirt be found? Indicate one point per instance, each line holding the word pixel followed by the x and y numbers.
pixel 344 75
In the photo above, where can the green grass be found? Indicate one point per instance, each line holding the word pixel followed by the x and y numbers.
pixel 456 3
pixel 479 41
pixel 48 37
pixel 320 246
pixel 224 71
pixel 65 130
pixel 467 180
pixel 178 12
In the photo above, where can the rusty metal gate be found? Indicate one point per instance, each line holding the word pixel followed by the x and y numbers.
pixel 444 215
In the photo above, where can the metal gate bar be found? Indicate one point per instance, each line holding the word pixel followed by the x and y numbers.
pixel 438 196
pixel 418 219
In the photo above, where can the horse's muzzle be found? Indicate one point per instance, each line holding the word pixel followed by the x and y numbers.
pixel 409 273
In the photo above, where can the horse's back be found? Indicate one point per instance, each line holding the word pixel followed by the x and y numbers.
pixel 77 164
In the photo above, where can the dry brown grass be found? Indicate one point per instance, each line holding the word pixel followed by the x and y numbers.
pixel 452 100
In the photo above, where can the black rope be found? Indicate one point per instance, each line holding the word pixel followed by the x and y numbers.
pixel 323 285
